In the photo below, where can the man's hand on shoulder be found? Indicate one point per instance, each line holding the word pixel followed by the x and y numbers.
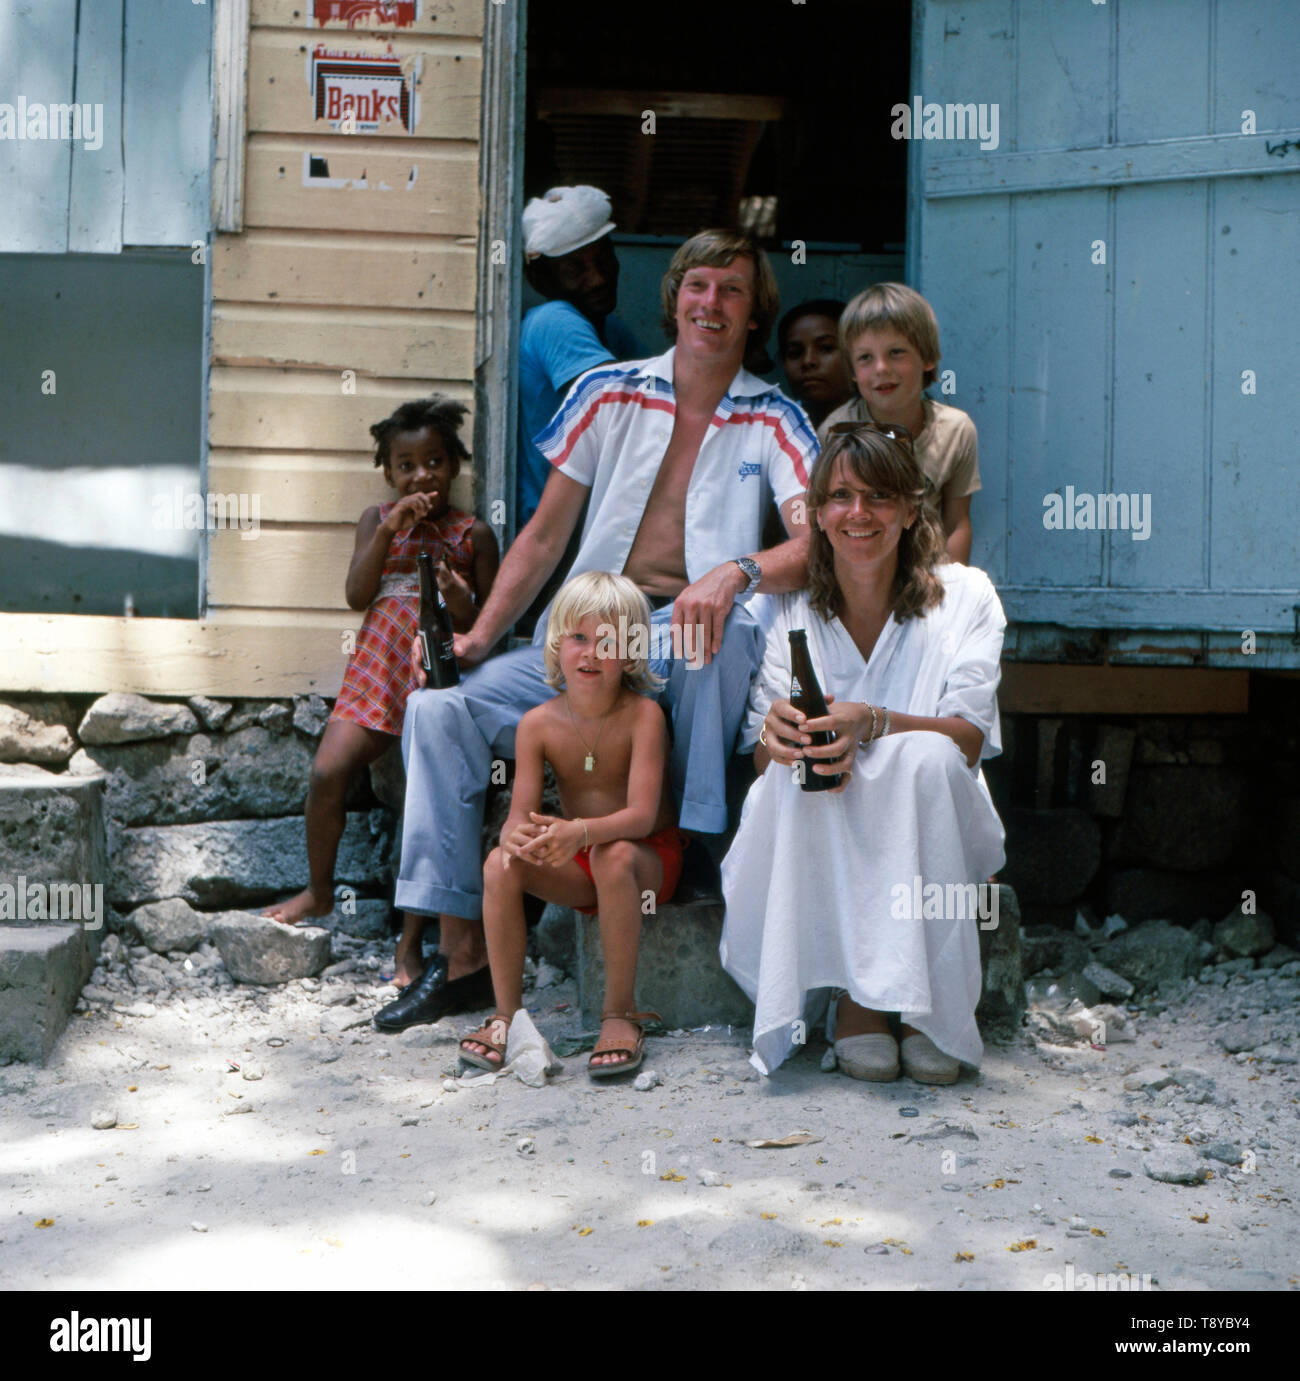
pixel 702 608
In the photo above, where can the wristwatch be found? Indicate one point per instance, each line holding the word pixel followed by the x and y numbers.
pixel 753 572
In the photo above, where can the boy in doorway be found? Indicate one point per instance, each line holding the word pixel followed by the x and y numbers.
pixel 891 341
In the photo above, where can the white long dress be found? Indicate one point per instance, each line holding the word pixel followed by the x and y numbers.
pixel 830 891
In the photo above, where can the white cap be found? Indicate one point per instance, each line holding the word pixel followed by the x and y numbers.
pixel 565 219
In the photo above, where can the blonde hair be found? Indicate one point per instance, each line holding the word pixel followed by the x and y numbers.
pixel 894 306
pixel 618 604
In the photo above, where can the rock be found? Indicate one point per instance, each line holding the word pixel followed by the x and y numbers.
pixel 646 1080
pixel 212 713
pixel 388 779
pixel 251 1073
pixel 339 997
pixel 1101 1024
pixel 526 1146
pixel 946 1131
pixel 276 718
pixel 1153 953
pixel 1149 1080
pixel 1244 934
pixel 418 1037
pixel 1052 855
pixel 338 1019
pixel 1277 956
pixel 1120 1174
pixel 310 715
pixel 249 773
pixel 710 1179
pixel 1175 1165
pixel 51 826
pixel 547 976
pixel 102 1120
pixel 24 739
pixel 167 926
pixel 557 938
pixel 1225 1152
pixel 1244 1036
pixel 1045 948
pixel 236 1108
pixel 122 718
pixel 1114 747
pixel 431 1198
pixel 1107 982
pixel 257 950
pixel 1002 996
pixel 1185 818
pixel 227 862
pixel 198 1227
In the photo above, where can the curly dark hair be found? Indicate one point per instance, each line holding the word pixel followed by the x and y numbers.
pixel 445 415
pixel 883 463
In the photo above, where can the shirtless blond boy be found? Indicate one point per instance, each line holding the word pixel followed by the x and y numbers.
pixel 607 743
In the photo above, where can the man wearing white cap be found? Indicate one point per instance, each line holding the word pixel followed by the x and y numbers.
pixel 569 259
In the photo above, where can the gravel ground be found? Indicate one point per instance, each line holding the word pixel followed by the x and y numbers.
pixel 268 1138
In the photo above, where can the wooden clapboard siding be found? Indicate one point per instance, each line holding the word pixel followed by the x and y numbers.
pixel 289 409
pixel 335 303
pixel 237 652
pixel 283 567
pixel 463 17
pixel 412 187
pixel 353 269
pixel 448 81
pixel 304 488
pixel 396 343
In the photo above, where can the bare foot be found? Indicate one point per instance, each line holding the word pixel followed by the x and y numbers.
pixel 852 1020
pixel 626 1033
pixel 408 966
pixel 299 910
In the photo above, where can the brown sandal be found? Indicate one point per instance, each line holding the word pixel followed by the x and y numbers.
pixel 614 1046
pixel 486 1035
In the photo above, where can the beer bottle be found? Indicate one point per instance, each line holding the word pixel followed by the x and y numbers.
pixel 435 630
pixel 806 695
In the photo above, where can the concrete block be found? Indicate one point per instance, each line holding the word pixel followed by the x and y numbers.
pixel 51 827
pixel 42 969
pixel 679 974
pixel 1002 995
pixel 1114 750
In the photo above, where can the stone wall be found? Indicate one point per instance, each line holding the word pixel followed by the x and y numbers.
pixel 1155 818
pixel 203 800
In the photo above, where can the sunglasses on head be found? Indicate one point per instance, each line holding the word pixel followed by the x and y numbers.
pixel 893 431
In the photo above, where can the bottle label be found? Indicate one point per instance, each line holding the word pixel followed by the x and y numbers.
pixel 795 687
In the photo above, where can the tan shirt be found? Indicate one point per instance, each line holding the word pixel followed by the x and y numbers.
pixel 946 450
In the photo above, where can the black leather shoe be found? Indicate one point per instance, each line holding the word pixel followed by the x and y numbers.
pixel 432 997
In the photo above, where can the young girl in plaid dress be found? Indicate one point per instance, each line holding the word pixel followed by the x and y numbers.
pixel 420 451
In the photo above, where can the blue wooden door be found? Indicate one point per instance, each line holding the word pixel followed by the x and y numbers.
pixel 1117 288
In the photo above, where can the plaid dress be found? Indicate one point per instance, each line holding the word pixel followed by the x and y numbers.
pixel 378 678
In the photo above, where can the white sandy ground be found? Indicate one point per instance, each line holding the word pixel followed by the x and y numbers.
pixel 354 1168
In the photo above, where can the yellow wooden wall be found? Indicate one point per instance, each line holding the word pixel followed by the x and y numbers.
pixel 377 282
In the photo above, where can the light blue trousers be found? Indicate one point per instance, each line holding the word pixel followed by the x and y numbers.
pixel 450 738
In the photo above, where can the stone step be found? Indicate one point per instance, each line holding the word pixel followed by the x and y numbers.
pixel 42 971
pixel 53 867
pixel 680 976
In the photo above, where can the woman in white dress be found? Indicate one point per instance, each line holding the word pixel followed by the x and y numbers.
pixel 872 893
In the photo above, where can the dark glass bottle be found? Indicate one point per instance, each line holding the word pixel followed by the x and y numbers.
pixel 435 630
pixel 806 695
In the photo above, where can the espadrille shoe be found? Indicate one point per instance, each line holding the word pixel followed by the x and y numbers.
pixel 873 1056
pixel 926 1063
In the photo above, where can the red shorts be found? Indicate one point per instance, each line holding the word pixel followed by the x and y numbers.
pixel 668 844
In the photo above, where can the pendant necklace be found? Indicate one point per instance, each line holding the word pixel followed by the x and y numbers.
pixel 589 762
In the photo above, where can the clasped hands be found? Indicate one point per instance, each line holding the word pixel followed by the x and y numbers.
pixel 787 736
pixel 543 839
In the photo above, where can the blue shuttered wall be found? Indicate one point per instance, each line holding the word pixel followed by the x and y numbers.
pixel 1122 124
